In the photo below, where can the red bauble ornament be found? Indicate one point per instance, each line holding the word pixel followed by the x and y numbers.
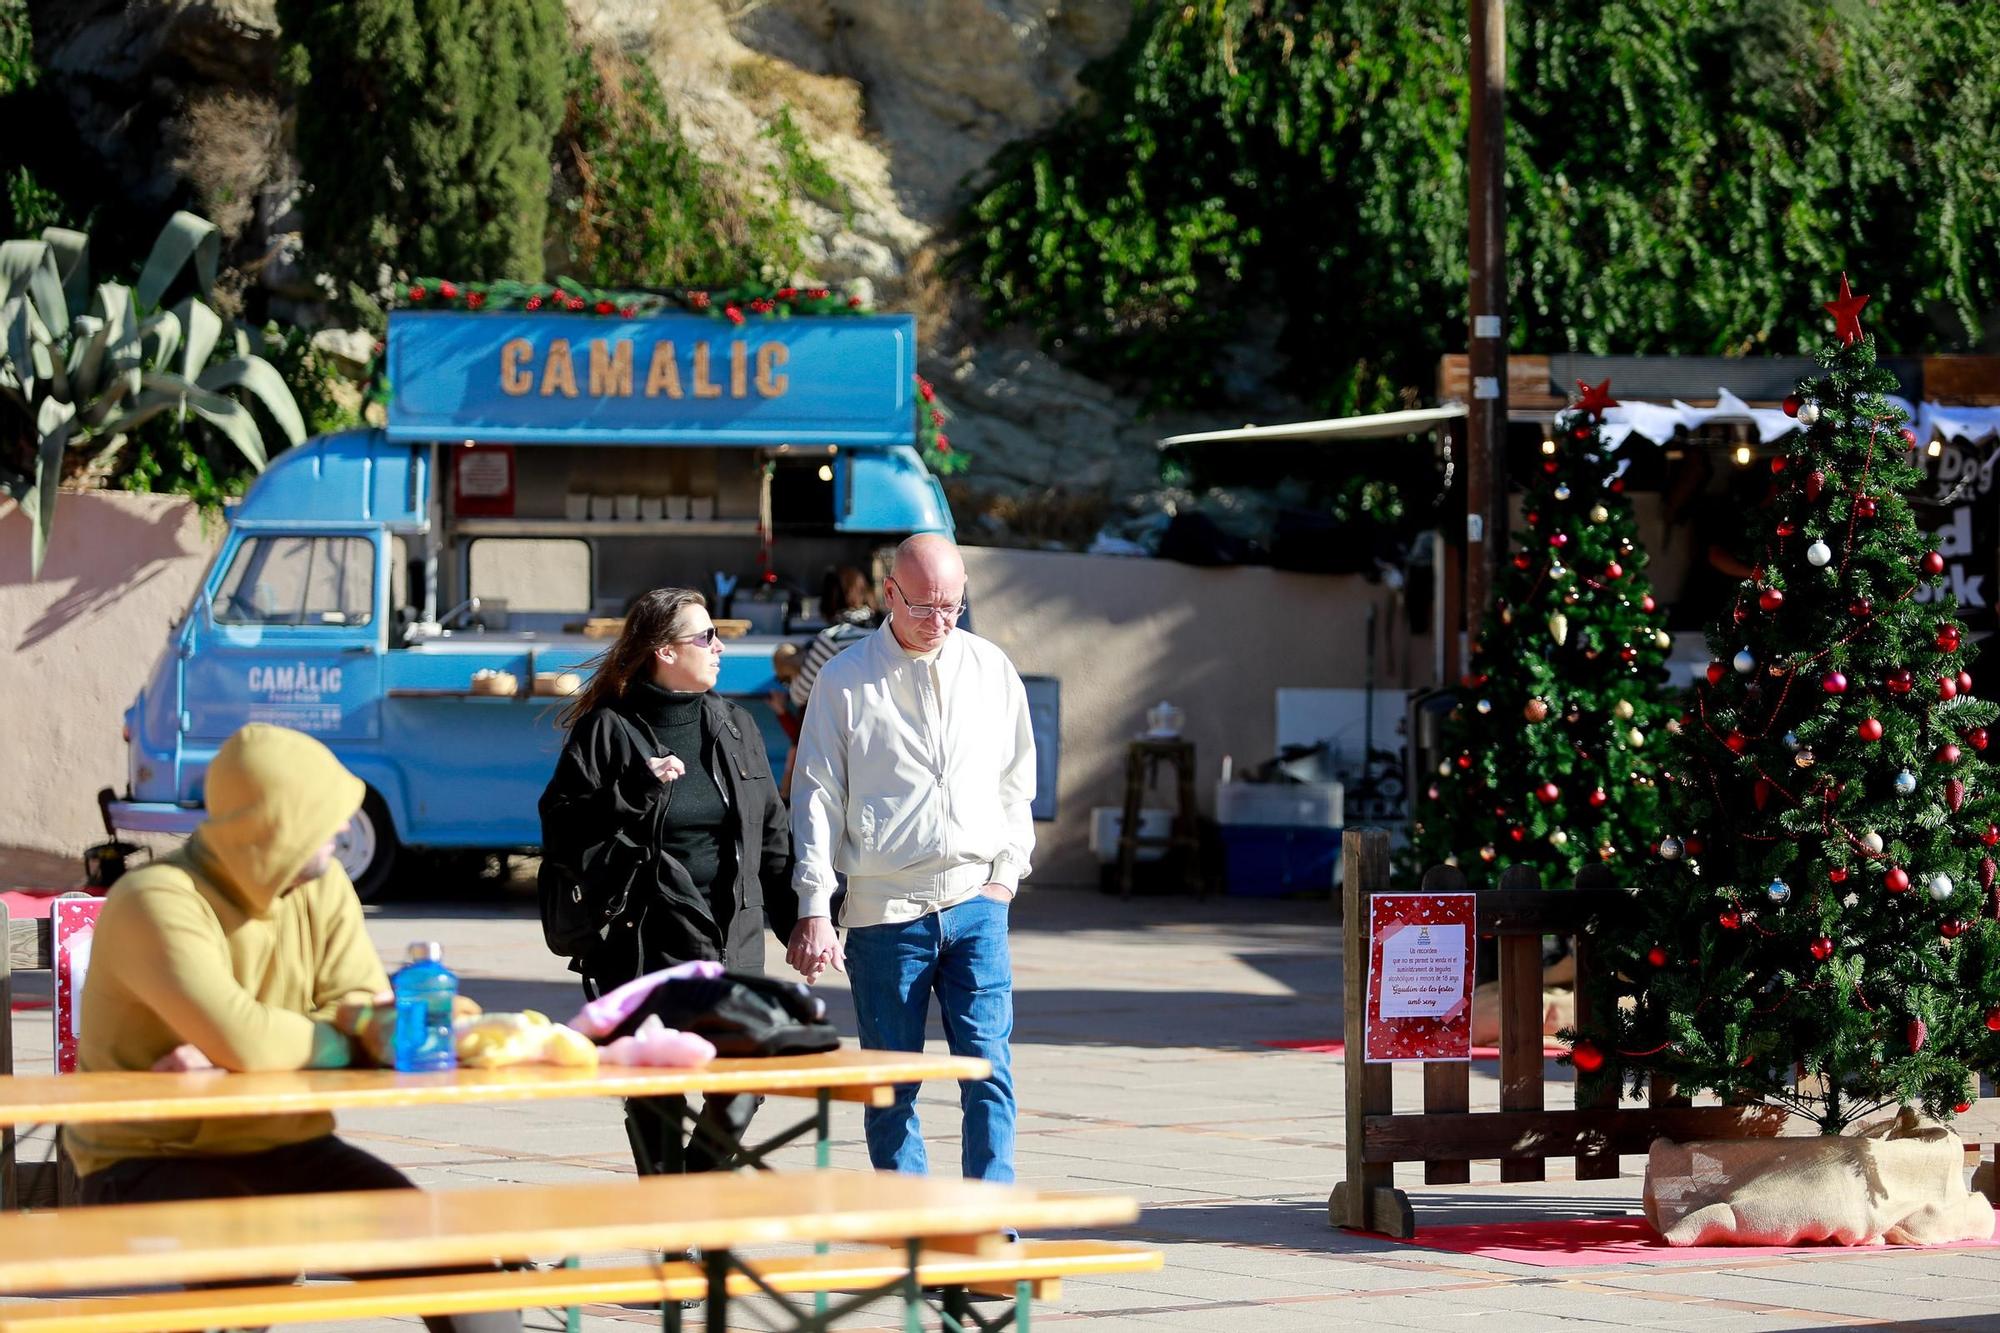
pixel 1864 507
pixel 1860 606
pixel 1549 467
pixel 1532 517
pixel 1559 539
pixel 449 291
pixel 1739 613
pixel 1646 603
pixel 1656 956
pixel 1549 793
pixel 1947 687
pixel 1838 874
pixel 1716 671
pixel 1933 564
pixel 1869 730
pixel 1628 654
pixel 1993 1020
pixel 1815 483
pixel 1598 797
pixel 1992 835
pixel 1909 437
pixel 1465 761
pixel 1517 835
pixel 1962 1107
pixel 1833 682
pixel 1771 598
pixel 1617 486
pixel 1897 880
pixel 1730 919
pixel 1521 561
pixel 1965 682
pixel 1614 570
pixel 1900 681
pixel 1947 638
pixel 1760 792
pixel 1948 753
pixel 1976 738
pixel 1693 845
pixel 1822 948
pixel 1777 464
pixel 1585 1056
pixel 1951 927
pixel 1916 1034
pixel 418 293
pixel 1791 404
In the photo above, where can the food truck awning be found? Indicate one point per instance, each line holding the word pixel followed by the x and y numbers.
pixel 1373 426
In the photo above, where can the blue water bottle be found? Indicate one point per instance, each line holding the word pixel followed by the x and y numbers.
pixel 425 988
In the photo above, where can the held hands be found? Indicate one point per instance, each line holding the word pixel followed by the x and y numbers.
pixel 814 947
pixel 666 767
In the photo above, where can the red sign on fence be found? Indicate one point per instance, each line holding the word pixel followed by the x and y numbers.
pixel 1420 977
pixel 72 923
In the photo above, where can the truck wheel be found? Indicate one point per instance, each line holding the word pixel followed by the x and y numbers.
pixel 367 848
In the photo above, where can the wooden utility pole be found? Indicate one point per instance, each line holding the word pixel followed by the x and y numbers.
pixel 1486 345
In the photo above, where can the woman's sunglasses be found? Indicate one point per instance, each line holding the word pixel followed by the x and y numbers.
pixel 706 638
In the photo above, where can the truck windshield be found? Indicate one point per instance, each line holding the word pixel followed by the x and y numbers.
pixel 291 580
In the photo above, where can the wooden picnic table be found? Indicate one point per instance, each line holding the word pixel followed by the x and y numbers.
pixel 135 1244
pixel 848 1074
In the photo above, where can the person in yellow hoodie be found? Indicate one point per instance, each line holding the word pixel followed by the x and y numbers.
pixel 244 950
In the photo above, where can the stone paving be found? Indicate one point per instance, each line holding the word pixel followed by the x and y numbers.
pixel 1140 1070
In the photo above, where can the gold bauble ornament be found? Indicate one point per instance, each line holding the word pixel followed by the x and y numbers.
pixel 1487 853
pixel 1536 710
pixel 1598 513
pixel 1635 738
pixel 1558 839
pixel 1559 628
pixel 1664 639
pixel 1623 710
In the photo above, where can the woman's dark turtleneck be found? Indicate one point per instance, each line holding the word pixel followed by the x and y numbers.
pixel 696 831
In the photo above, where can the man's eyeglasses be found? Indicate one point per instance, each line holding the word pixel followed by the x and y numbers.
pixel 705 639
pixel 928 611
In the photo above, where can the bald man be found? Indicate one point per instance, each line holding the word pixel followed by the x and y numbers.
pixel 916 770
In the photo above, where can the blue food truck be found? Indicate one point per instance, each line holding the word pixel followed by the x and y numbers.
pixel 423 596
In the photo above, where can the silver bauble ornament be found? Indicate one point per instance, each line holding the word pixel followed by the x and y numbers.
pixel 1873 842
pixel 1562 492
pixel 1791 740
pixel 1745 661
pixel 1670 848
pixel 1906 783
pixel 1778 891
pixel 1558 839
pixel 1941 887
pixel 1819 555
pixel 1483 707
pixel 1804 758
pixel 1808 413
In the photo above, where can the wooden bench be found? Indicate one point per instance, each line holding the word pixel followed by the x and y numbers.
pixel 1039 1266
pixel 25 946
pixel 941 1233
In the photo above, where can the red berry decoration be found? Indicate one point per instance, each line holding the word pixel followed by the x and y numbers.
pixel 418 293
pixel 1933 564
pixel 1947 638
pixel 1897 880
pixel 1730 919
pixel 1900 682
pixel 1976 738
pixel 1585 1056
pixel 1771 599
pixel 474 300
pixel 1860 606
pixel 1656 956
pixel 1865 507
pixel 1833 683
pixel 1614 570
pixel 448 291
pixel 1869 730
pixel 1716 671
pixel 1598 797
pixel 1948 753
pixel 1549 793
pixel 1822 948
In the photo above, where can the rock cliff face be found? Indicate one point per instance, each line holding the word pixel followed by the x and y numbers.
pixel 903 102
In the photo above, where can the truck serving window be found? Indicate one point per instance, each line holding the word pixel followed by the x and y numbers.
pixel 298 581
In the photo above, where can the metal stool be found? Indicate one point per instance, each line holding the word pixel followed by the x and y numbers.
pixel 1142 760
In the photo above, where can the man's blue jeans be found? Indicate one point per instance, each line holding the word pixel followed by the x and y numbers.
pixel 961 954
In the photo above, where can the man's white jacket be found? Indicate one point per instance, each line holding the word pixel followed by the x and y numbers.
pixel 914 780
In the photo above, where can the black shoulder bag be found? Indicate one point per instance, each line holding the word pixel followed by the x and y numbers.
pixel 579 903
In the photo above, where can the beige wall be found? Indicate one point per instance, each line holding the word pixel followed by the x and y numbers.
pixel 1122 634
pixel 76 645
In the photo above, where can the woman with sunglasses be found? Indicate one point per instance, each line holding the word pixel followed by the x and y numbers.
pixel 663 802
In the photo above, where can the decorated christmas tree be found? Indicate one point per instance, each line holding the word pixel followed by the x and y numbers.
pixel 1818 918
pixel 1548 757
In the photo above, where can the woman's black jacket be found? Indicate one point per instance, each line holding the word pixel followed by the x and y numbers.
pixel 603 791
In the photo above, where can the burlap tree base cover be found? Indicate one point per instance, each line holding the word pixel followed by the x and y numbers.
pixel 1899 1181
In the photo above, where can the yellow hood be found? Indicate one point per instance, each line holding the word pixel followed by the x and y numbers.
pixel 274 797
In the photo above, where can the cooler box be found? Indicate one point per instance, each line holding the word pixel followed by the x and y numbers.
pixel 1318 805
pixel 1271 861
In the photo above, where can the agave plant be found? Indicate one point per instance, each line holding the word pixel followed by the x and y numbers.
pixel 82 367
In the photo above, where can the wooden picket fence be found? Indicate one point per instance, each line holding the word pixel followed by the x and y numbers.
pixel 1448 1136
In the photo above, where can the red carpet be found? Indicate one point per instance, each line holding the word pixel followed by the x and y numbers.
pixel 1340 1048
pixel 1577 1241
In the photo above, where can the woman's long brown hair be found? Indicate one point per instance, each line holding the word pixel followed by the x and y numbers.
pixel 655 620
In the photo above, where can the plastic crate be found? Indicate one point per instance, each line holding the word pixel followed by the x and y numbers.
pixel 1320 805
pixel 1265 861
